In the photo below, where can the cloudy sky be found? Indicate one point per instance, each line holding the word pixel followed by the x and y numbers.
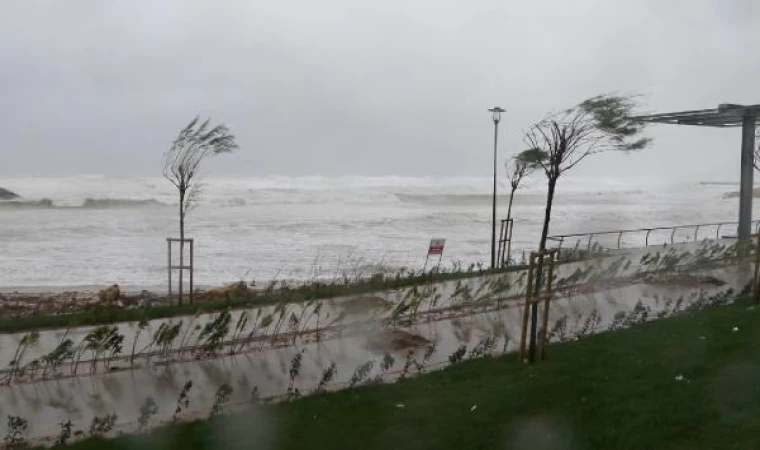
pixel 353 87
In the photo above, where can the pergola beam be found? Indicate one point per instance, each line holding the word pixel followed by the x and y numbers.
pixel 724 116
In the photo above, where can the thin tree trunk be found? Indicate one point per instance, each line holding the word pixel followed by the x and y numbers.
pixel 509 208
pixel 539 271
pixel 181 243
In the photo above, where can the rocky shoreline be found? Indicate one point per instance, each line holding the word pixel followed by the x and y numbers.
pixel 27 301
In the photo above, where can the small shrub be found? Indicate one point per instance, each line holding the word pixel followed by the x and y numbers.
pixel 255 396
pixel 102 425
pixel 147 410
pixel 458 355
pixel 65 434
pixel 295 370
pixel 327 376
pixel 482 348
pixel 16 435
pixel 408 363
pixel 221 398
pixel 183 401
pixel 361 373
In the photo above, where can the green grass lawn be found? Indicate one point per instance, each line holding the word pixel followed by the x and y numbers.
pixel 617 390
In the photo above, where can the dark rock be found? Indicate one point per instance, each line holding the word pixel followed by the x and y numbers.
pixel 5 194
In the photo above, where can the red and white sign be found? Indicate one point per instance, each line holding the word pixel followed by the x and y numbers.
pixel 436 246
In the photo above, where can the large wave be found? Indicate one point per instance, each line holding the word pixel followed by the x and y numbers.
pixel 88 203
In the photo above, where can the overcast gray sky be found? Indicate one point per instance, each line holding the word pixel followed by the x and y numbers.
pixel 350 87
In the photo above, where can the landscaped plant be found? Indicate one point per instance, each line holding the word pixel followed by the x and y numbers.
pixel 165 338
pixel 65 434
pixel 251 334
pixel 295 370
pixel 28 340
pixel 386 364
pixel 293 326
pixel 590 324
pixel 102 425
pixel 458 355
pixel 266 322
pixel 361 373
pixel 429 352
pixel 195 142
pixel 148 409
pixel 191 328
pixel 238 330
pixel 255 396
pixel 62 353
pixel 408 363
pixel 183 401
pixel 141 325
pixel 214 332
pixel 327 376
pixel 221 398
pixel 103 340
pixel 15 437
pixel 559 330
pixel 482 348
pixel 280 311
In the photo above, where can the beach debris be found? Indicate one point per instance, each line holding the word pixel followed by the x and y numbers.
pixel 400 406
pixel 110 294
pixel 148 298
pixel 238 289
pixel 735 329
pixel 474 407
pixel 680 378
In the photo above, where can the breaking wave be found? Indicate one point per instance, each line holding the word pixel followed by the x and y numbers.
pixel 89 203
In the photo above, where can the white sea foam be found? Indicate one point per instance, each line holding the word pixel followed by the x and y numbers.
pixel 94 230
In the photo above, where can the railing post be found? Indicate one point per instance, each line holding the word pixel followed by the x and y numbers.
pixel 591 236
pixel 169 265
pixel 510 226
pixel 672 235
pixel 646 239
pixel 717 232
pixel 619 236
pixel 696 232
pixel 192 268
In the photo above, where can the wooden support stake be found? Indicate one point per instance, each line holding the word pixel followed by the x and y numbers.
pixel 755 281
pixel 547 300
pixel 526 310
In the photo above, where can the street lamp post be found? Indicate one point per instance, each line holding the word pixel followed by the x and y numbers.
pixel 496 113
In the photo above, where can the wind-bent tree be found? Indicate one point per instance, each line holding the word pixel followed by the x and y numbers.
pixel 517 170
pixel 562 140
pixel 195 142
pixel 520 167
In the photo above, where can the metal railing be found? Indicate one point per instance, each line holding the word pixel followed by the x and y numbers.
pixel 561 238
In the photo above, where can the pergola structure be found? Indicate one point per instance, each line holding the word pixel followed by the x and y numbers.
pixel 724 116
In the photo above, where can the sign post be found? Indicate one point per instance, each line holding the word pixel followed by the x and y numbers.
pixel 435 248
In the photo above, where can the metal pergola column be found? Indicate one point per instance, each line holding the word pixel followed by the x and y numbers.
pixel 747 177
pixel 726 115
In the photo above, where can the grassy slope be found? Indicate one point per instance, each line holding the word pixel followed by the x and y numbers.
pixel 616 390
